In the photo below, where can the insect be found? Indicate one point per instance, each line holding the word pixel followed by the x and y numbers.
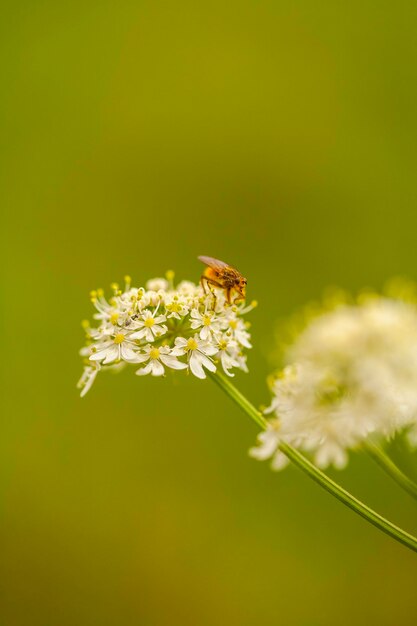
pixel 223 276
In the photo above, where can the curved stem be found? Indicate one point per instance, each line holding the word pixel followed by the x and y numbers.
pixel 314 473
pixel 390 468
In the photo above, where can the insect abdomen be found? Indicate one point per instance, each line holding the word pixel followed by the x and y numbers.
pixel 211 273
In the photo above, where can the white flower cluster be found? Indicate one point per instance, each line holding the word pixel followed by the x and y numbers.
pixel 353 376
pixel 161 327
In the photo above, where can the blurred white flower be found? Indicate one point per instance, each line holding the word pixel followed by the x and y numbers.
pixel 157 284
pixel 164 326
pixel 268 442
pixel 187 288
pixel 355 376
pixel 412 435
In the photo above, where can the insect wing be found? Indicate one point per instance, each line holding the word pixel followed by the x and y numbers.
pixel 214 263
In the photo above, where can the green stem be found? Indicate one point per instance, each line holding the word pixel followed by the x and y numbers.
pixel 390 468
pixel 317 475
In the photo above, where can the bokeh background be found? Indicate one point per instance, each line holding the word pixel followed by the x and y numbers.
pixel 278 136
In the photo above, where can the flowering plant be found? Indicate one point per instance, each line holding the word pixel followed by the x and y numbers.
pixel 162 327
pixel 350 378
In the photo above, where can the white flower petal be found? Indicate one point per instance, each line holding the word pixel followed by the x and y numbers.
pixel 196 367
pixel 172 362
pixel 141 358
pixel 128 354
pixel 139 334
pixel 100 350
pixel 207 363
pixel 87 379
pixel 227 371
pixel 144 370
pixel 178 351
pixel 98 356
pixel 159 330
pixel 157 368
pixel 268 443
pixel 149 336
pixel 112 353
pixel 208 349
pixel 279 461
pixel 205 333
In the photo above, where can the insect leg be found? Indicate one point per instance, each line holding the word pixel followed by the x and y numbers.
pixel 205 282
pixel 210 281
pixel 213 283
pixel 238 298
pixel 210 286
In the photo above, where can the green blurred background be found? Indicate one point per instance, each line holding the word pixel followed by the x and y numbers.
pixel 278 136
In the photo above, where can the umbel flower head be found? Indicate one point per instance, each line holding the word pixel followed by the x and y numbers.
pixel 351 375
pixel 161 327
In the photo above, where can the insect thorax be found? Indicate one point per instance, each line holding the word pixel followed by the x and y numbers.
pixel 230 277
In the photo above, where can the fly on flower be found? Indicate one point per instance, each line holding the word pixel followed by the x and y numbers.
pixel 223 276
pixel 165 327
